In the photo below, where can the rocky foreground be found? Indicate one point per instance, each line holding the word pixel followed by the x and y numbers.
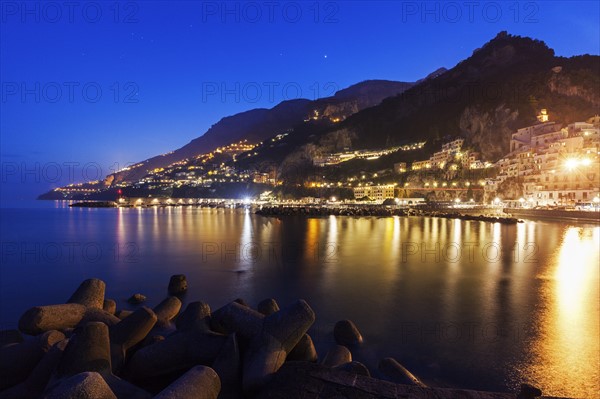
pixel 85 348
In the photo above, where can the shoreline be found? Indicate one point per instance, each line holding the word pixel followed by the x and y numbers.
pixel 235 351
pixel 556 215
pixel 483 213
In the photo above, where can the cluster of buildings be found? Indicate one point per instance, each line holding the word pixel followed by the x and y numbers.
pixel 452 155
pixel 377 193
pixel 554 165
pixel 337 158
pixel 201 171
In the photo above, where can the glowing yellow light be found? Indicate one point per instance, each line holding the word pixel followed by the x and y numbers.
pixel 571 163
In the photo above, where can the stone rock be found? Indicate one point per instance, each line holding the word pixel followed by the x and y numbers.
pixel 354 367
pixel 177 284
pixel 167 309
pixel 101 315
pixel 149 340
pixel 398 373
pixel 235 318
pixel 195 316
pixel 8 337
pixel 53 317
pixel 261 362
pixel 110 306
pixel 268 339
pixel 122 314
pixel 304 350
pixel 18 360
pixel 133 329
pixel 529 392
pixel 90 293
pixel 87 385
pixel 290 324
pixel 346 333
pixel 228 365
pixel 241 302
pixel 178 352
pixel 124 389
pixel 337 356
pixel 136 299
pixel 36 382
pixel 128 333
pixel 268 306
pixel 200 382
pixel 301 380
pixel 88 350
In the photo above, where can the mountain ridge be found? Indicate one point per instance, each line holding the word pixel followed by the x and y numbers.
pixel 260 123
pixel 500 88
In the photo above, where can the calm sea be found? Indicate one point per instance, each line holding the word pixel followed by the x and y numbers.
pixel 459 303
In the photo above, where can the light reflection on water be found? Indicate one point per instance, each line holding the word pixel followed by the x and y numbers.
pixel 460 303
pixel 565 355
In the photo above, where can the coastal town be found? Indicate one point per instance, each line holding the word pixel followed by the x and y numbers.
pixel 549 165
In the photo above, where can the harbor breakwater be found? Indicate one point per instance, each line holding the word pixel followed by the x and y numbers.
pixel 381 211
pixel 87 348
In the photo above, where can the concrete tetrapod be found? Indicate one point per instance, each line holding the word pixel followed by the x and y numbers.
pixel 18 360
pixel 195 315
pixel 236 318
pixel 90 293
pixel 177 284
pixel 86 385
pixel 36 382
pixel 304 350
pixel 269 339
pixel 89 350
pixel 177 352
pixel 101 315
pixel 354 368
pixel 199 382
pixel 268 306
pixel 110 306
pixel 167 309
pixel 129 332
pixel 337 356
pixel 228 366
pixel 346 333
pixel 52 317
pixel 398 373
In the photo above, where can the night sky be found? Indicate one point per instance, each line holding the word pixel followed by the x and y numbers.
pixel 102 84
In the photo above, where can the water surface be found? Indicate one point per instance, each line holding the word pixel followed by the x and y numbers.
pixel 459 303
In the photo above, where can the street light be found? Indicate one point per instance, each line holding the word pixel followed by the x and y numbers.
pixel 571 163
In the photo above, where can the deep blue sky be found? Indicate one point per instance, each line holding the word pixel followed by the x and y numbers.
pixel 161 66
